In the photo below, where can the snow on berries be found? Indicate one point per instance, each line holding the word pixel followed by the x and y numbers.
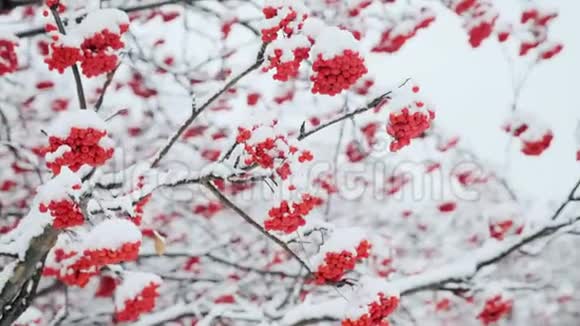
pixel 479 18
pixel 535 22
pixel 110 242
pixel 93 43
pixel 288 217
pixel 410 121
pixel 77 138
pixel 337 64
pixel 8 58
pixel 405 26
pixel 56 198
pixel 534 136
pixel 495 308
pixel 339 254
pixel 286 55
pixel 504 220
pixel 136 295
pixel 264 148
pixel 284 17
pixel 371 303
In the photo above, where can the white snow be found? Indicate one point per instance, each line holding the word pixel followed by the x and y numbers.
pixel 112 233
pixel 61 125
pixel 332 41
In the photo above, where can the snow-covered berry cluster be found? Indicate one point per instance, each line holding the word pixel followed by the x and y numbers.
pixel 269 152
pixel 282 17
pixel 77 138
pixel 110 242
pixel 535 22
pixel 371 303
pixel 406 26
pixel 408 122
pixel 136 295
pixel 340 254
pixel 479 18
pixel 57 198
pixel 377 312
pixel 93 43
pixel 286 55
pixel 336 67
pixel 8 58
pixel 535 137
pixel 288 217
pixel 495 309
pixel 504 220
pixel 294 37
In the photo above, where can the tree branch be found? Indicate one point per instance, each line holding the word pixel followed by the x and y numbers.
pixel 196 112
pixel 371 105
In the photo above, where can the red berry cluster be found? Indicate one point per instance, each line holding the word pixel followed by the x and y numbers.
pixel 537 147
pixel 531 145
pixel 537 22
pixel 354 152
pixel 65 212
pixel 334 75
pixel 86 266
pixel 208 210
pixel 253 98
pixel 265 153
pixel 377 312
pixel 355 11
pixel 393 38
pixel 494 309
pixel 226 298
pixel 142 303
pixel 286 70
pixel 97 58
pixel 106 288
pixel 285 23
pixel 288 218
pixel 336 264
pixel 55 4
pixel 137 84
pixel 62 57
pixel 8 58
pixel 138 217
pixel 479 16
pixel 499 230
pixel 406 125
pixel 84 149
pixel 95 53
pixel 447 207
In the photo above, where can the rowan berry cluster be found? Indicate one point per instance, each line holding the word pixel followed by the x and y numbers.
pixel 409 122
pixel 8 58
pixel 81 146
pixel 288 217
pixel 408 24
pixel 337 264
pixel 95 50
pixel 377 312
pixel 141 303
pixel 495 309
pixel 66 213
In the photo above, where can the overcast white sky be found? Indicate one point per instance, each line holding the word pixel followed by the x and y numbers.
pixel 472 93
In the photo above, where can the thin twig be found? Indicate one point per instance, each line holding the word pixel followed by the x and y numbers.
pixel 255 224
pixel 196 112
pixel 371 105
